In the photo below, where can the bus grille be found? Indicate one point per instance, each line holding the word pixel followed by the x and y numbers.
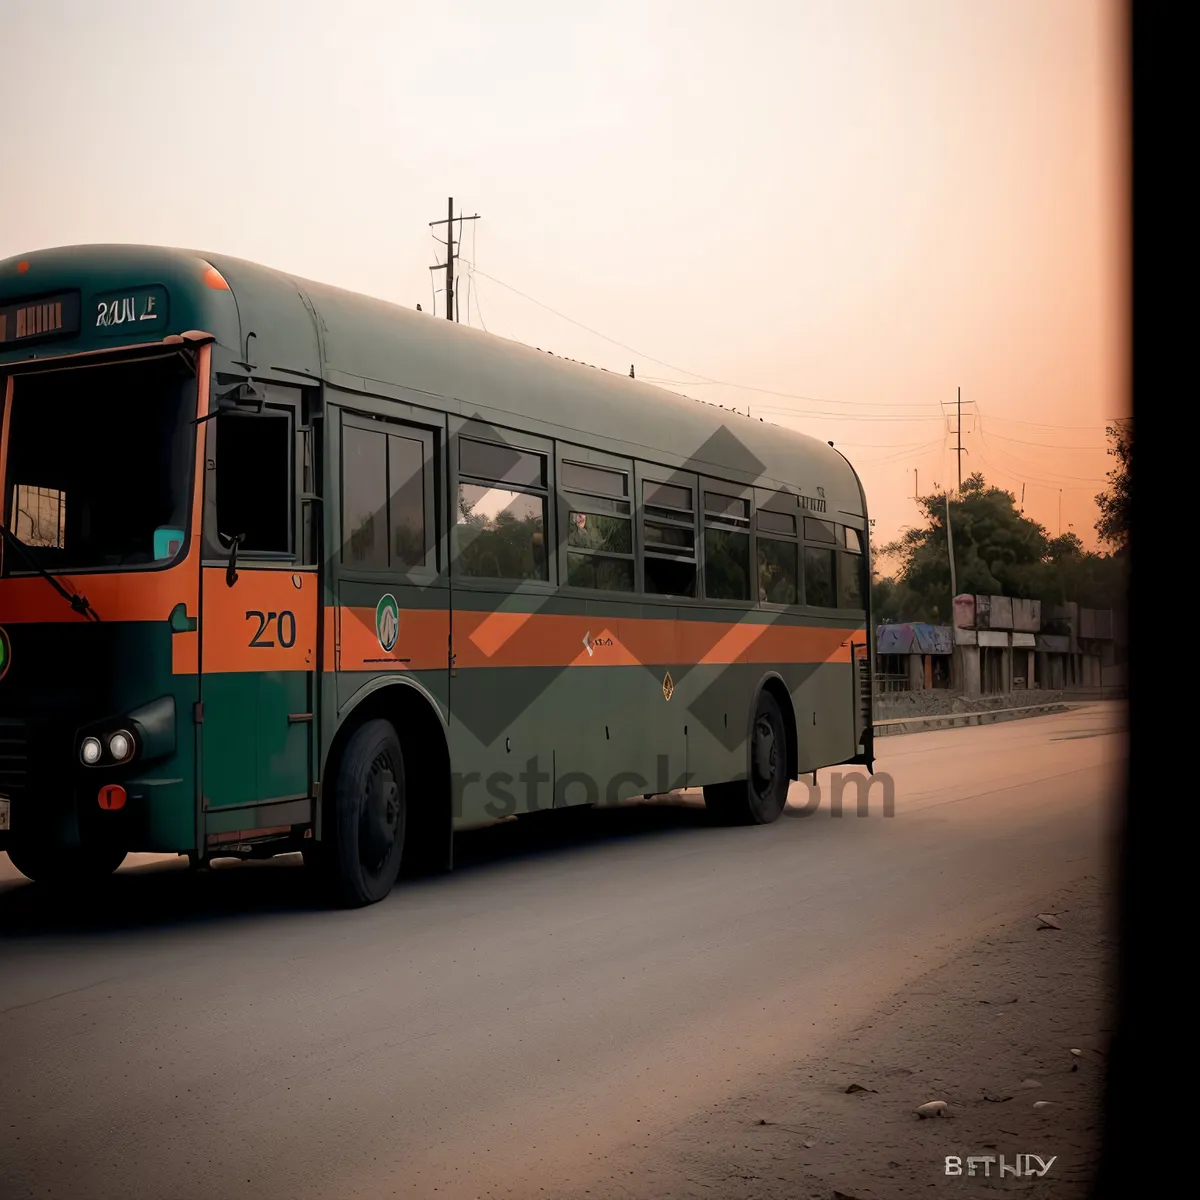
pixel 14 757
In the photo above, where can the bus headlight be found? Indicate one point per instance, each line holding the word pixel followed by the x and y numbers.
pixel 120 746
pixel 90 751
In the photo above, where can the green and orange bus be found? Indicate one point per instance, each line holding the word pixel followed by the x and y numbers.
pixel 290 569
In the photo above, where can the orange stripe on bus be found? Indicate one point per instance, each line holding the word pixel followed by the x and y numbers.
pixel 422 642
pixel 266 622
pixel 185 653
pixel 554 640
pixel 124 596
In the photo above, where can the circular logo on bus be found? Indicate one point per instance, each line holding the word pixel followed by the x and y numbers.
pixel 5 653
pixel 387 622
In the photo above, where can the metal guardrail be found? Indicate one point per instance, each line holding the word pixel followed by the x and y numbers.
pixel 978 713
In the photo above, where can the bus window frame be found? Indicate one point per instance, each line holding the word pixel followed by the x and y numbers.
pixel 832 548
pixel 646 471
pixel 735 491
pixel 280 397
pixel 513 439
pixel 391 425
pixel 11 372
pixel 861 554
pixel 782 504
pixel 571 452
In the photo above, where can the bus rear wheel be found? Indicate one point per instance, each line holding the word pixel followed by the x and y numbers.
pixel 366 819
pixel 760 798
pixel 65 867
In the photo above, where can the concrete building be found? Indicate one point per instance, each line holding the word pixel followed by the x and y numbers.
pixel 995 643
pixel 1004 645
pixel 999 644
pixel 1082 647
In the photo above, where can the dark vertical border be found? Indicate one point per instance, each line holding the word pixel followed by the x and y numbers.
pixel 1155 106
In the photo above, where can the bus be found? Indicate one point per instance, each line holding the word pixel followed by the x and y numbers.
pixel 289 569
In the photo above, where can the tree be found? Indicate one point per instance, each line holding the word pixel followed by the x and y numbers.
pixel 997 551
pixel 1116 501
pixel 994 545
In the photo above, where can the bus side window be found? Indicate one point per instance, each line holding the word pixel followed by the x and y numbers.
pixel 668 538
pixel 851 571
pixel 726 547
pixel 599 527
pixel 254 455
pixel 502 520
pixel 778 557
pixel 387 496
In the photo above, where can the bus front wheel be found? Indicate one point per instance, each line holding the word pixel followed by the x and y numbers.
pixel 65 866
pixel 760 798
pixel 366 819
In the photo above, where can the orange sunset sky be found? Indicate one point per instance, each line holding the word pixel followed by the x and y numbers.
pixel 841 210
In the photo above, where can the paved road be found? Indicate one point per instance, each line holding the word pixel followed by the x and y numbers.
pixel 576 987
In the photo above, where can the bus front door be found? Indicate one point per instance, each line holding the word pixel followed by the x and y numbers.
pixel 258 627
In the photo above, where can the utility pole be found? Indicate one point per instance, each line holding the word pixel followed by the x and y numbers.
pixel 1060 512
pixel 916 486
pixel 451 255
pixel 950 549
pixel 958 435
pixel 959 448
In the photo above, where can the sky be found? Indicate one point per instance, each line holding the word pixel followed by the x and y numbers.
pixel 835 213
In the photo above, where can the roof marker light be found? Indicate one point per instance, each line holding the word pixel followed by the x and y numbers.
pixel 215 280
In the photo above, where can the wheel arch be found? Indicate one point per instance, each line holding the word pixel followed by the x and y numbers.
pixel 424 741
pixel 772 682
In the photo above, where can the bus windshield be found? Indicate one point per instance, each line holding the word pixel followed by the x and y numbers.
pixel 99 466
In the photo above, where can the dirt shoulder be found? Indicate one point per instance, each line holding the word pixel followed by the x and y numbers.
pixel 991 1033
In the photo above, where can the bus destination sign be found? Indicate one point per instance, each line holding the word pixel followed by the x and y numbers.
pixel 134 310
pixel 33 320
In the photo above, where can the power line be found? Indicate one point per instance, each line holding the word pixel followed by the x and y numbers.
pixel 1024 477
pixel 471 274
pixel 885 445
pixel 698 380
pixel 835 416
pixel 694 382
pixel 1045 424
pixel 1048 472
pixel 1043 445
pixel 885 459
pixel 478 302
pixel 808 412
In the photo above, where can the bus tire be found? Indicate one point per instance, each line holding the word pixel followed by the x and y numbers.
pixel 67 867
pixel 361 859
pixel 760 798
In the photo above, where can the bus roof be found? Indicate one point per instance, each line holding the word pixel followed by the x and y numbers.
pixel 368 345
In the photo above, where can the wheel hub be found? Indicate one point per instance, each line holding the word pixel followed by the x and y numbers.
pixel 380 813
pixel 764 753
